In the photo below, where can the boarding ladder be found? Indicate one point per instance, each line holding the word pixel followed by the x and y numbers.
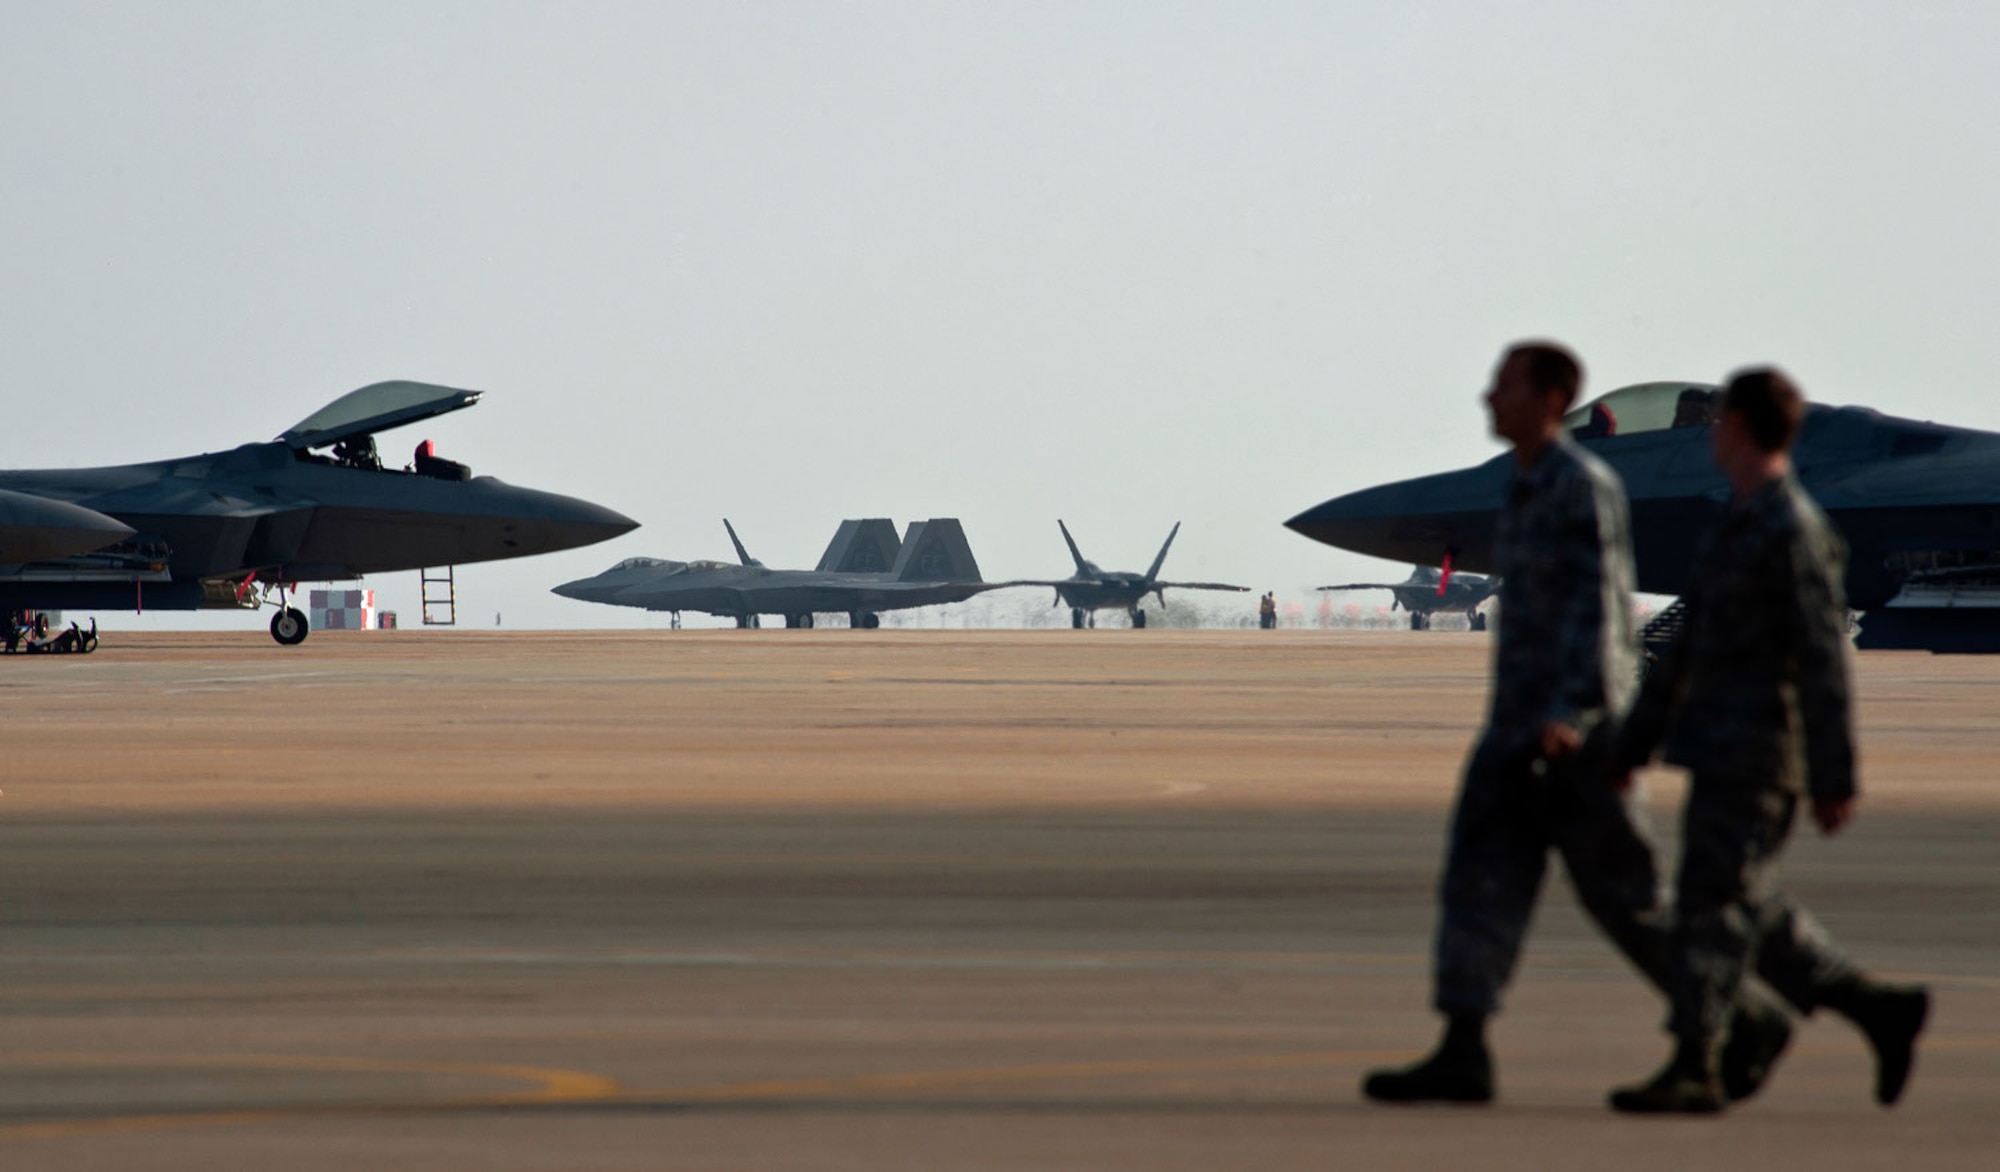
pixel 1660 632
pixel 440 597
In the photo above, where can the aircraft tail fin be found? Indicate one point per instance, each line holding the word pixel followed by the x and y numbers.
pixel 867 546
pixel 1162 559
pixel 936 551
pixel 742 555
pixel 1083 568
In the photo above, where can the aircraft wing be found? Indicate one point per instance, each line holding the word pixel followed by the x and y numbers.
pixel 1196 586
pixel 374 408
pixel 1369 586
pixel 884 595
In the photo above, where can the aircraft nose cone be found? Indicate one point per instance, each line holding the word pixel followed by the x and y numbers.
pixel 579 589
pixel 568 523
pixel 1354 521
pixel 597 523
pixel 33 528
pixel 1415 521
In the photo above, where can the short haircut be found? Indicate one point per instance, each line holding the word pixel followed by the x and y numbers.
pixel 1770 404
pixel 1550 369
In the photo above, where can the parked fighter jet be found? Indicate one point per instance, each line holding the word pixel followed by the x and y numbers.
pixel 864 572
pixel 313 505
pixel 1918 504
pixel 33 528
pixel 1427 591
pixel 1091 589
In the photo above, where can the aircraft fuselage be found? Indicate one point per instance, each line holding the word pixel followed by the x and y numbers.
pixel 1904 495
pixel 264 509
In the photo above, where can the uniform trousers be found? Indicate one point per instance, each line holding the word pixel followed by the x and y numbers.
pixel 1731 917
pixel 1514 808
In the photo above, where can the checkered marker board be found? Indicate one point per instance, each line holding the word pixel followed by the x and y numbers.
pixel 343 610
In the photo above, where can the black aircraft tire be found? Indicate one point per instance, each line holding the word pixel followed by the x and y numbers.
pixel 871 621
pixel 1076 618
pixel 1479 622
pixel 289 627
pixel 1138 620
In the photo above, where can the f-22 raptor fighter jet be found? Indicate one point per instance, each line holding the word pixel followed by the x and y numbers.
pixel 1917 503
pixel 1427 591
pixel 314 505
pixel 864 572
pixel 1091 589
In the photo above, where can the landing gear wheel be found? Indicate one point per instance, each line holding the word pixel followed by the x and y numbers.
pixel 871 621
pixel 799 622
pixel 1138 619
pixel 1419 622
pixel 1478 622
pixel 289 627
pixel 1076 618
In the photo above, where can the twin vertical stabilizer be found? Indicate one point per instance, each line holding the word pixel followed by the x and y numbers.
pixel 936 551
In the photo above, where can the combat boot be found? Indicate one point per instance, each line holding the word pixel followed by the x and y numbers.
pixel 1756 1040
pixel 1460 1070
pixel 1687 1085
pixel 1891 1017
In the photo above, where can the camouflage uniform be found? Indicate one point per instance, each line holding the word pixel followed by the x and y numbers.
pixel 1752 699
pixel 1565 652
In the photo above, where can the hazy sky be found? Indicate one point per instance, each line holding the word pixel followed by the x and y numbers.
pixel 1125 264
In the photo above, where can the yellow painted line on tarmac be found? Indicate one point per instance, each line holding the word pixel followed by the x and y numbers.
pixel 547 1086
pixel 555 1087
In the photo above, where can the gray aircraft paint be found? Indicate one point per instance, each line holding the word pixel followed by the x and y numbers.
pixel 33 528
pixel 931 565
pixel 1917 503
pixel 1093 589
pixel 206 526
pixel 1420 596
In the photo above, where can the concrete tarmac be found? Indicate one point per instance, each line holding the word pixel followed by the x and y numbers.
pixel 875 900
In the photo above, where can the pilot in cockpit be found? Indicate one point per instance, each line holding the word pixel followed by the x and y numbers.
pixel 357 452
pixel 1695 408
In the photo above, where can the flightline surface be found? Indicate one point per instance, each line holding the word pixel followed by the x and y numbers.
pixel 855 900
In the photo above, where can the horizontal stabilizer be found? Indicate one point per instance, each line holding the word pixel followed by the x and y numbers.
pixel 33 528
pixel 867 546
pixel 1199 586
pixel 936 551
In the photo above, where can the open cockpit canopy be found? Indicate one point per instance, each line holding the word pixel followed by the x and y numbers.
pixel 372 409
pixel 1645 407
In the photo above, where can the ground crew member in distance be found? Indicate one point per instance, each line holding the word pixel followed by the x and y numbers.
pixel 1754 695
pixel 1564 671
